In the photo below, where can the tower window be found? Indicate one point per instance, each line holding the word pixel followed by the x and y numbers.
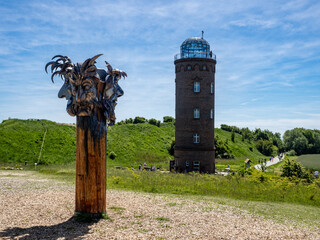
pixel 196 165
pixel 211 113
pixel 204 67
pixel 189 68
pixel 211 88
pixel 196 138
pixel 196 87
pixel 196 113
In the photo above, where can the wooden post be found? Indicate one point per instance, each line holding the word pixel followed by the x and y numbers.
pixel 91 163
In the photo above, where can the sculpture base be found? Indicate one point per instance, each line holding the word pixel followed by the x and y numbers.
pixel 88 217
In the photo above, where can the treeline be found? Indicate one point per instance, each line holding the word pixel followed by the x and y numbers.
pixel 151 121
pixel 302 141
pixel 267 142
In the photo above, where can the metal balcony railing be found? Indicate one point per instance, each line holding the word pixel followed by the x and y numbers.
pixel 195 55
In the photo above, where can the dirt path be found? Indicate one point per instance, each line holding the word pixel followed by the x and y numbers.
pixel 32 207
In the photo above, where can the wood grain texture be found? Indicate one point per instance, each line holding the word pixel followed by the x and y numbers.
pixel 91 164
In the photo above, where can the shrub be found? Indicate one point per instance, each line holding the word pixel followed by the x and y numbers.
pixel 112 155
pixel 291 153
pixel 294 169
pixel 153 121
pixel 139 120
pixel 222 149
pixel 168 119
pixel 232 136
pixel 171 148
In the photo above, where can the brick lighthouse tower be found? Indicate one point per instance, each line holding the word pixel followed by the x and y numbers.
pixel 195 70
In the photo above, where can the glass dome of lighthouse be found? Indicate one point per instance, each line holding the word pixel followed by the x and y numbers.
pixel 195 47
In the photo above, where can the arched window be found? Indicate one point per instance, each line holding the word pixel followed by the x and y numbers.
pixel 196 138
pixel 196 87
pixel 211 88
pixel 211 113
pixel 196 113
pixel 189 68
pixel 204 67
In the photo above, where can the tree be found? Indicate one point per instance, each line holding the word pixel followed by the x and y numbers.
pixel 139 120
pixel 153 121
pixel 168 119
pixel 295 140
pixel 292 168
pixel 232 136
pixel 130 120
pixel 265 147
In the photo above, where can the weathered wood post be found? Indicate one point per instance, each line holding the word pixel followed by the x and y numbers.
pixel 92 95
pixel 91 164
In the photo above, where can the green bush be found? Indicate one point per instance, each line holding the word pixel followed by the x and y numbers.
pixel 294 169
pixel 139 120
pixel 265 147
pixel 168 119
pixel 291 153
pixel 153 121
pixel 171 148
pixel 112 155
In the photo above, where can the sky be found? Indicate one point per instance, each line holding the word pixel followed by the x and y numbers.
pixel 268 56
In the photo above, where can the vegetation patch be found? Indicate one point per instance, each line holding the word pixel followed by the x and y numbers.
pixel 310 161
pixel 253 185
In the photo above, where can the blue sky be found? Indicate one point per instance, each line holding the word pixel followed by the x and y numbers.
pixel 268 56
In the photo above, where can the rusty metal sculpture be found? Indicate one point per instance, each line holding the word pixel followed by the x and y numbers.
pixel 92 95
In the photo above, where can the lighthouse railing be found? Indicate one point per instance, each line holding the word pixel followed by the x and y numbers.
pixel 209 55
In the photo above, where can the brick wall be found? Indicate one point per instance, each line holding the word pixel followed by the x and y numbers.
pixel 188 71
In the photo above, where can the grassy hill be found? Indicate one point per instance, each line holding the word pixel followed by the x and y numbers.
pixel 140 143
pixel 20 141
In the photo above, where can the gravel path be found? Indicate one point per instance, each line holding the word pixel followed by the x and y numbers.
pixel 35 208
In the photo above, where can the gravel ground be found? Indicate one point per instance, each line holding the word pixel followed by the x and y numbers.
pixel 32 207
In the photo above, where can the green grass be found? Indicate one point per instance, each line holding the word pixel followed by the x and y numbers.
pixel 310 161
pixel 256 187
pixel 293 214
pixel 267 187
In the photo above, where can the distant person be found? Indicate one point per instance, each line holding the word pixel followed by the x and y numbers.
pixel 140 166
pixel 144 165
pixel 265 161
pixel 316 174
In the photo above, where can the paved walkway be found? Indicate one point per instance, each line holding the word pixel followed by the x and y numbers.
pixel 274 160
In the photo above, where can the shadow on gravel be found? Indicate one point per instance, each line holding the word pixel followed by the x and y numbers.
pixel 67 230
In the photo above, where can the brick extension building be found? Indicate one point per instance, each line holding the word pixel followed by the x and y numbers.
pixel 195 83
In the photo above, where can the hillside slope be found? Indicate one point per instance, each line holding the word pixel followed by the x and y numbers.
pixel 240 149
pixel 20 141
